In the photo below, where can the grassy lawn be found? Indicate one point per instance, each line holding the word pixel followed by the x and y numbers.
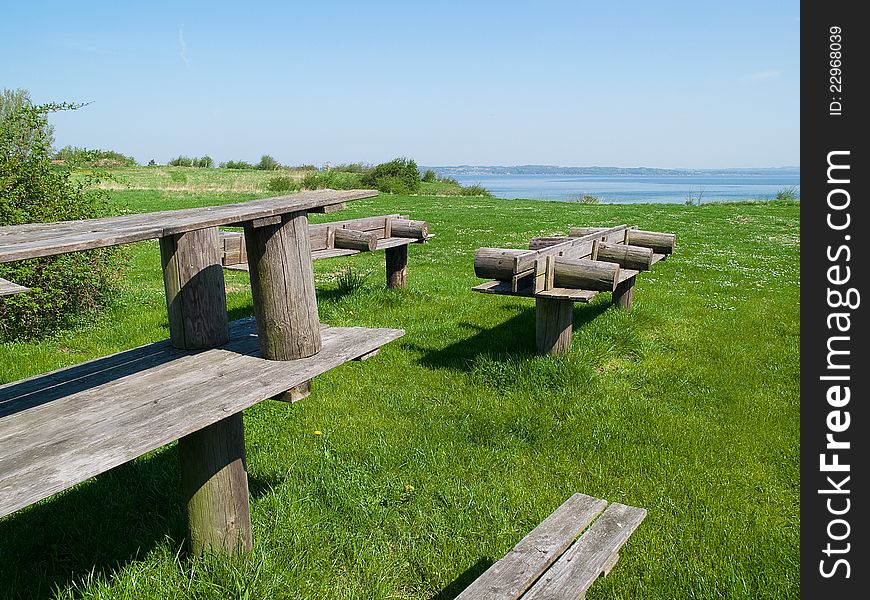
pixel 440 453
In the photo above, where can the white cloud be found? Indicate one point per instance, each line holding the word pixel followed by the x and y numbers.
pixel 183 46
pixel 758 76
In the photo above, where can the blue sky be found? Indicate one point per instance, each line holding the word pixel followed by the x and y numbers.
pixel 657 84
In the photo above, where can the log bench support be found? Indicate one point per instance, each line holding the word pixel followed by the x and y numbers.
pixel 397 266
pixel 554 325
pixel 552 561
pixel 624 292
pixel 213 476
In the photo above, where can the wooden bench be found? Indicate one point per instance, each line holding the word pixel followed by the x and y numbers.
pixel 391 233
pixel 558 271
pixel 555 561
pixel 61 428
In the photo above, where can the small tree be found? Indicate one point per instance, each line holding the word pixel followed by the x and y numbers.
pixel 21 133
pixel 399 176
pixel 267 163
pixel 33 190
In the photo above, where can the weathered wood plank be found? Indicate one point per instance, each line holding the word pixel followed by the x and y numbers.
pixel 527 261
pixel 591 556
pixel 503 288
pixel 19 242
pixel 62 428
pixel 508 578
pixel 7 288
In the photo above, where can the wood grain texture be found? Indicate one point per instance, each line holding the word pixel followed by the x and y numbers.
pixel 554 325
pixel 582 273
pixel 397 266
pixel 61 428
pixel 7 288
pixel 569 248
pixel 214 483
pixel 503 288
pixel 512 575
pixel 590 557
pixel 33 240
pixel 418 230
pixel 630 257
pixel 623 295
pixel 364 241
pixel 497 263
pixel 282 286
pixel 195 293
pixel 659 243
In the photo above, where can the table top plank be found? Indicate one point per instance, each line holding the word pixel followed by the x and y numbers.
pixel 34 240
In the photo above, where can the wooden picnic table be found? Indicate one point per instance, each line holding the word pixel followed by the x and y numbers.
pixel 61 428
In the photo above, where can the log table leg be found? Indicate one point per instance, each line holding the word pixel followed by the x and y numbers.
pixel 282 284
pixel 624 293
pixel 214 480
pixel 397 266
pixel 554 324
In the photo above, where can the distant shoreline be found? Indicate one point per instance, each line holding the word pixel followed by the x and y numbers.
pixel 471 170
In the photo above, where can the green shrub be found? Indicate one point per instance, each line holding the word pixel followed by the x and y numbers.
pixel 399 176
pixel 205 162
pixel 356 167
pixel 789 193
pixel 65 288
pixel 474 190
pixel 350 280
pixel 429 176
pixel 236 164
pixel 334 180
pixel 589 199
pixel 282 183
pixel 267 163
pixel 181 161
pixel 74 156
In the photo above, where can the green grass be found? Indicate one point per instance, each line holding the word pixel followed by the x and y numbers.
pixel 441 452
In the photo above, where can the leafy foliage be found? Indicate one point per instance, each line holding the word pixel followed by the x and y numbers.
pixel 429 176
pixel 236 164
pixel 33 190
pixel 268 163
pixel 282 183
pixel 186 161
pixel 399 176
pixel 74 156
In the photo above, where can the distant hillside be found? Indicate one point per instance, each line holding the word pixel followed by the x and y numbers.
pixel 464 170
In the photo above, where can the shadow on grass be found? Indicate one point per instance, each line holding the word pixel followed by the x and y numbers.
pixel 458 585
pixel 99 526
pixel 513 338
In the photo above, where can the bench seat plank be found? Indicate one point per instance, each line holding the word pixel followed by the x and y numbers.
pixel 7 288
pixel 504 288
pixel 593 555
pixel 64 427
pixel 512 575
pixel 383 244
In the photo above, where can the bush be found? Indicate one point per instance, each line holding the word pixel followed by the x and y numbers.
pixel 181 161
pixel 282 183
pixel 474 190
pixel 334 180
pixel 236 164
pixel 789 193
pixel 65 288
pixel 429 176
pixel 399 176
pixel 74 156
pixel 206 162
pixel 267 163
